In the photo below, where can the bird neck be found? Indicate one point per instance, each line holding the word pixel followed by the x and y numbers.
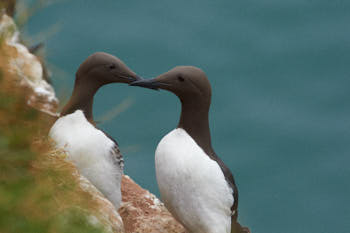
pixel 194 120
pixel 82 98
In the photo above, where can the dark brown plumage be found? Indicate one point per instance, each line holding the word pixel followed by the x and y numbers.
pixel 192 87
pixel 97 70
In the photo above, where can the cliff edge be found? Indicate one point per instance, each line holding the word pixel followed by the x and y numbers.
pixel 62 193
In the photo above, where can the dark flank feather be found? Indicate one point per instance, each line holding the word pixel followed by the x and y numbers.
pixel 117 155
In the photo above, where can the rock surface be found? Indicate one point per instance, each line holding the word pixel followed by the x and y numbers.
pixel 141 211
pixel 105 213
pixel 26 67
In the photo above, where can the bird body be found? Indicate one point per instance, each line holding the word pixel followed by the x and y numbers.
pixel 192 185
pixel 195 185
pixel 95 154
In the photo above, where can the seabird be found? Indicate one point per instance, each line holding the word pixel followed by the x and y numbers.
pixel 94 152
pixel 195 185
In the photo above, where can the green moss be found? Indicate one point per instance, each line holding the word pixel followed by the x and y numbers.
pixel 27 198
pixel 73 221
pixel 26 204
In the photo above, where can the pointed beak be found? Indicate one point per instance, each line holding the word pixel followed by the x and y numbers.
pixel 136 78
pixel 147 83
pixel 130 79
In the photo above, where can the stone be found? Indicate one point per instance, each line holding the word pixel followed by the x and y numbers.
pixel 142 211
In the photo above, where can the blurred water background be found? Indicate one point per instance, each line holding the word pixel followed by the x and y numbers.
pixel 280 76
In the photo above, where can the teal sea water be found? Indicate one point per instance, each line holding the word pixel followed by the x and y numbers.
pixel 280 73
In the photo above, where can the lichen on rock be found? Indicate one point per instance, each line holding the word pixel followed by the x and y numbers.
pixel 26 67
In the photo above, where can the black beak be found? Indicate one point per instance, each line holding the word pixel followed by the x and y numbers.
pixel 130 79
pixel 147 83
pixel 137 78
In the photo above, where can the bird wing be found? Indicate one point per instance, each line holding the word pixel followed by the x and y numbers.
pixel 117 155
pixel 231 182
pixel 235 226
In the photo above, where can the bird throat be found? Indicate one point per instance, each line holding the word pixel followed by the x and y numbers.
pixel 82 98
pixel 194 120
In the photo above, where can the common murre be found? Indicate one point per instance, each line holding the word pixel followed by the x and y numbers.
pixel 195 185
pixel 95 153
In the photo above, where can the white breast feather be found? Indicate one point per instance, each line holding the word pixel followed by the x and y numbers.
pixel 91 151
pixel 192 185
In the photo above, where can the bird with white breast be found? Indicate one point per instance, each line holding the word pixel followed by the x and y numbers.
pixel 195 185
pixel 94 152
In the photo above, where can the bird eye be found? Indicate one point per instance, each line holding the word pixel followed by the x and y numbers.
pixel 111 67
pixel 180 78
